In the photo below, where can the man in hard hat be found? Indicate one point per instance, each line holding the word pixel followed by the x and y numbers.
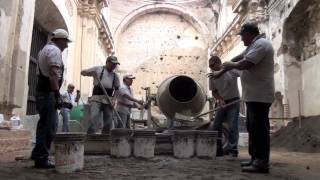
pixel 50 76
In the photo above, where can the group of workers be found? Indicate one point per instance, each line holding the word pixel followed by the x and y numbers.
pixel 254 67
pixel 49 100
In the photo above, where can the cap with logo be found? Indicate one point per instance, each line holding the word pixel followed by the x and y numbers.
pixel 249 27
pixel 113 59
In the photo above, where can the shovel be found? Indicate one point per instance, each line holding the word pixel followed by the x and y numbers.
pixel 188 118
pixel 109 100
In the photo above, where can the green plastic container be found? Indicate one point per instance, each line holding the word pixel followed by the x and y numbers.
pixel 77 113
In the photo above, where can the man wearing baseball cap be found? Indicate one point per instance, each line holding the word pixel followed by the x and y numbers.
pixel 50 76
pixel 98 102
pixel 126 101
pixel 257 79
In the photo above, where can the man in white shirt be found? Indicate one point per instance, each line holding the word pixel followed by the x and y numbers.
pixel 225 90
pixel 98 102
pixel 50 77
pixel 126 101
pixel 67 104
pixel 257 79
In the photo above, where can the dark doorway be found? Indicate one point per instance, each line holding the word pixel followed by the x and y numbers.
pixel 39 40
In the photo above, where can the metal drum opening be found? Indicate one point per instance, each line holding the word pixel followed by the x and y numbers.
pixel 183 88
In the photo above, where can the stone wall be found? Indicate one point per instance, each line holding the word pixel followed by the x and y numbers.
pixel 156 41
pixel 295 39
pixel 16 19
pixel 160 45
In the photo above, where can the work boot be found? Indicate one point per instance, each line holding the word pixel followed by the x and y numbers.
pixel 246 163
pixel 43 164
pixel 257 166
pixel 232 157
pixel 255 169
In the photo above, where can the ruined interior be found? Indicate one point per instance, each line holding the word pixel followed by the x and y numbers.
pixel 165 45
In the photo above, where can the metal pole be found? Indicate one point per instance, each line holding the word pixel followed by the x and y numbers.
pixel 109 100
pixel 299 102
pixel 220 107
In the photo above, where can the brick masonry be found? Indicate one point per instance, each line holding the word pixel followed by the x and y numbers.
pixel 14 143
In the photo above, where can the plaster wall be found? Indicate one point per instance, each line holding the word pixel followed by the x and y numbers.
pixel 158 45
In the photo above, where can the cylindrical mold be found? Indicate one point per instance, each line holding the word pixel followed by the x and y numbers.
pixel 163 144
pixel 69 152
pixel 182 95
pixel 206 144
pixel 144 143
pixel 183 143
pixel 120 143
pixel 97 144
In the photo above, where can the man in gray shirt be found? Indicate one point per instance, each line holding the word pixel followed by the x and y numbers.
pixel 48 100
pixel 257 78
pixel 225 90
pixel 98 102
pixel 126 101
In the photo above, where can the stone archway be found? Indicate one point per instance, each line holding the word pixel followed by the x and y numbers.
pixel 48 15
pixel 163 7
pixel 301 48
pixel 157 41
pixel 47 18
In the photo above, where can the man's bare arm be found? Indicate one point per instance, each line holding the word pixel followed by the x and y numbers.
pixel 88 72
pixel 241 65
pixel 237 58
pixel 133 99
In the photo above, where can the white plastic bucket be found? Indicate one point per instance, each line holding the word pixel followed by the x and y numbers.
pixel 15 122
pixel 69 152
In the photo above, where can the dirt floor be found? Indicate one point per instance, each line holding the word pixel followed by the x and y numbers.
pixel 285 165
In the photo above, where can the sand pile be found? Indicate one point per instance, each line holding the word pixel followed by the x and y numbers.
pixel 304 139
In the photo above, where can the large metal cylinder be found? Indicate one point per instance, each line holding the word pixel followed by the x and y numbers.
pixel 182 95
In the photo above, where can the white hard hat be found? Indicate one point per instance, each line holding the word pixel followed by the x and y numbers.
pixel 60 34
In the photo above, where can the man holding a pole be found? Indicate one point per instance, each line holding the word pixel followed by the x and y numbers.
pixel 105 81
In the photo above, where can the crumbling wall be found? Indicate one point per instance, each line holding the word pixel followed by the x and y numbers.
pixel 158 45
pixel 297 54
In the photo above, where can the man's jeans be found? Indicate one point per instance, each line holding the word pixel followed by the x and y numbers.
pixel 46 127
pixel 125 120
pixel 258 127
pixel 230 115
pixel 65 112
pixel 98 110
